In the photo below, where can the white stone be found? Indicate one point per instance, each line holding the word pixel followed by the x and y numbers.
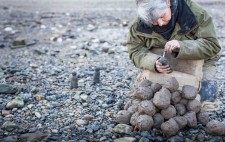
pixel 84 97
pixel 37 114
pixel 80 122
pixel 43 26
pixel 90 27
pixel 30 106
pixel 96 40
pixel 33 66
pixel 55 131
pixel 54 29
pixel 73 47
pixel 8 29
pixel 60 26
pixel 59 40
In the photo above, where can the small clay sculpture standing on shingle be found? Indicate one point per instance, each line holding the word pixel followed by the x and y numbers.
pixel 74 81
pixel 96 77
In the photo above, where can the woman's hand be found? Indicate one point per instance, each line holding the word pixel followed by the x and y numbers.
pixel 172 46
pixel 162 69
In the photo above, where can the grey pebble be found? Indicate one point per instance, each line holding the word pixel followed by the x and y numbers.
pixel 145 134
pixel 201 137
pixel 216 139
pixel 11 139
pixel 144 139
pixel 95 128
pixel 82 141
pixel 159 138
pixel 54 137
pixel 32 130
pixel 81 129
pixel 107 133
pixel 89 130
pixel 51 98
pixel 25 96
pixel 9 126
pixel 7 89
pixel 176 139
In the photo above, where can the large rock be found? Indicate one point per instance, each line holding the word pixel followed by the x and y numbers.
pixel 15 103
pixel 123 129
pixel 37 136
pixel 7 89
pixel 9 126
pixel 11 139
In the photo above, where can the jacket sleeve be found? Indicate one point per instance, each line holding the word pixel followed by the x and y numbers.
pixel 138 53
pixel 205 45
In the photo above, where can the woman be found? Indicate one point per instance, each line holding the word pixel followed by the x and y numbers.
pixel 179 26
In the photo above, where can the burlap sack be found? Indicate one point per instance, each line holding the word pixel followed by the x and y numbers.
pixel 187 72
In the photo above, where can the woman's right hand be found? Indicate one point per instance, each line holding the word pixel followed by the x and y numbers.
pixel 162 68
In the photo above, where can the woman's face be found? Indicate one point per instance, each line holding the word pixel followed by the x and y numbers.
pixel 164 18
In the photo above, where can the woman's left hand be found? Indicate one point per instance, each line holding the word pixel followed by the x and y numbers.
pixel 172 46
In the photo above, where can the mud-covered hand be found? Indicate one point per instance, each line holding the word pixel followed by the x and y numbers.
pixel 162 68
pixel 172 46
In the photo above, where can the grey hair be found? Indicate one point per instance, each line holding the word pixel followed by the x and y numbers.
pixel 150 10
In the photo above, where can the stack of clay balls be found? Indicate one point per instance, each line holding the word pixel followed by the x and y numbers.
pixel 164 107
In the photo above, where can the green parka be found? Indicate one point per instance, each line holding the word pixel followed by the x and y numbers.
pixel 197 43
